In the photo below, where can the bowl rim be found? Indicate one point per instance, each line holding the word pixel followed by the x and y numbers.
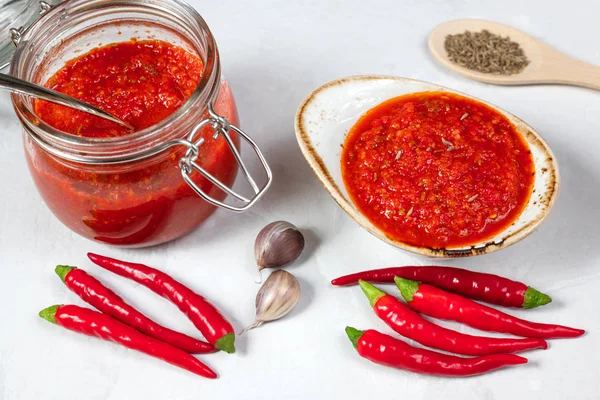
pixel 320 169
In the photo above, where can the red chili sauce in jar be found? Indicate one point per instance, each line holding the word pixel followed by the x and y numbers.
pixel 142 83
pixel 437 170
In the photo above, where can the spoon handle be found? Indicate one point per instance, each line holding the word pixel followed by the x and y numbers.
pixel 562 69
pixel 578 73
pixel 29 89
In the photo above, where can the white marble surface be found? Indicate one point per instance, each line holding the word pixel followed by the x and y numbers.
pixel 274 53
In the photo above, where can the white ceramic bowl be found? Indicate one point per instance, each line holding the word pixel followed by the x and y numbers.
pixel 327 114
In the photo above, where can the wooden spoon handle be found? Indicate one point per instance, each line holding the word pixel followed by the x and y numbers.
pixel 566 70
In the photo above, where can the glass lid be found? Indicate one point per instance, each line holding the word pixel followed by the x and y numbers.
pixel 17 14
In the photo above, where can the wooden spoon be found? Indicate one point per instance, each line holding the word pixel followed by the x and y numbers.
pixel 547 65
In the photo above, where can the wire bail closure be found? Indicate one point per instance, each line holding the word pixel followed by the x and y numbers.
pixel 188 164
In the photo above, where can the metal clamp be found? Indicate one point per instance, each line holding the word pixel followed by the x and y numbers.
pixel 44 7
pixel 16 33
pixel 188 164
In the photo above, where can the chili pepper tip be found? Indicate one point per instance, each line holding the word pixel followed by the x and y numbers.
pixel 516 360
pixel 372 293
pixel 226 343
pixel 49 313
pixel 62 271
pixel 407 288
pixel 354 334
pixel 534 298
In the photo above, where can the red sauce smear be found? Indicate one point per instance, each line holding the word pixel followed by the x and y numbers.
pixel 147 203
pixel 437 170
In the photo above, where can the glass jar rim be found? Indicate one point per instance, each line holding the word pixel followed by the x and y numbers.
pixel 136 145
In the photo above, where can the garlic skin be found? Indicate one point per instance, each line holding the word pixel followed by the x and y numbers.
pixel 276 298
pixel 278 244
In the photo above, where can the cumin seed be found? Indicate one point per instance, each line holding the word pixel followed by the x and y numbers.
pixel 486 52
pixel 472 198
pixel 409 212
pixel 449 144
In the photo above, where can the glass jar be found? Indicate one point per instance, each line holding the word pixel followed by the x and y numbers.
pixel 150 186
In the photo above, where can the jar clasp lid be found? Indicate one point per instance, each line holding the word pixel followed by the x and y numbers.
pixel 16 33
pixel 188 164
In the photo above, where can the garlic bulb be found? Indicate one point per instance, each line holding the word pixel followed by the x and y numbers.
pixel 277 244
pixel 276 298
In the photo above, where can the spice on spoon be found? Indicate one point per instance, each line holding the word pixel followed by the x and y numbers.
pixel 277 244
pixel 276 298
pixel 486 52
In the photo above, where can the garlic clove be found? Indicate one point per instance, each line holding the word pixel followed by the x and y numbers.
pixel 278 244
pixel 276 298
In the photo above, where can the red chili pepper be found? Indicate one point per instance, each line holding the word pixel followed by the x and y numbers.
pixel 436 303
pixel 96 294
pixel 209 321
pixel 489 288
pixel 410 324
pixel 93 323
pixel 384 349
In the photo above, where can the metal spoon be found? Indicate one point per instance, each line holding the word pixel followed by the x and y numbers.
pixel 29 89
pixel 546 64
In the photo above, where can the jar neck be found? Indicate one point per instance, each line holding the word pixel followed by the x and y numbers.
pixel 64 31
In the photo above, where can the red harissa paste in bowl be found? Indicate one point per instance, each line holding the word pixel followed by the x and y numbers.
pixel 437 170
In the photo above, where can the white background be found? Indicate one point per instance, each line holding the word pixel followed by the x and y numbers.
pixel 274 53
